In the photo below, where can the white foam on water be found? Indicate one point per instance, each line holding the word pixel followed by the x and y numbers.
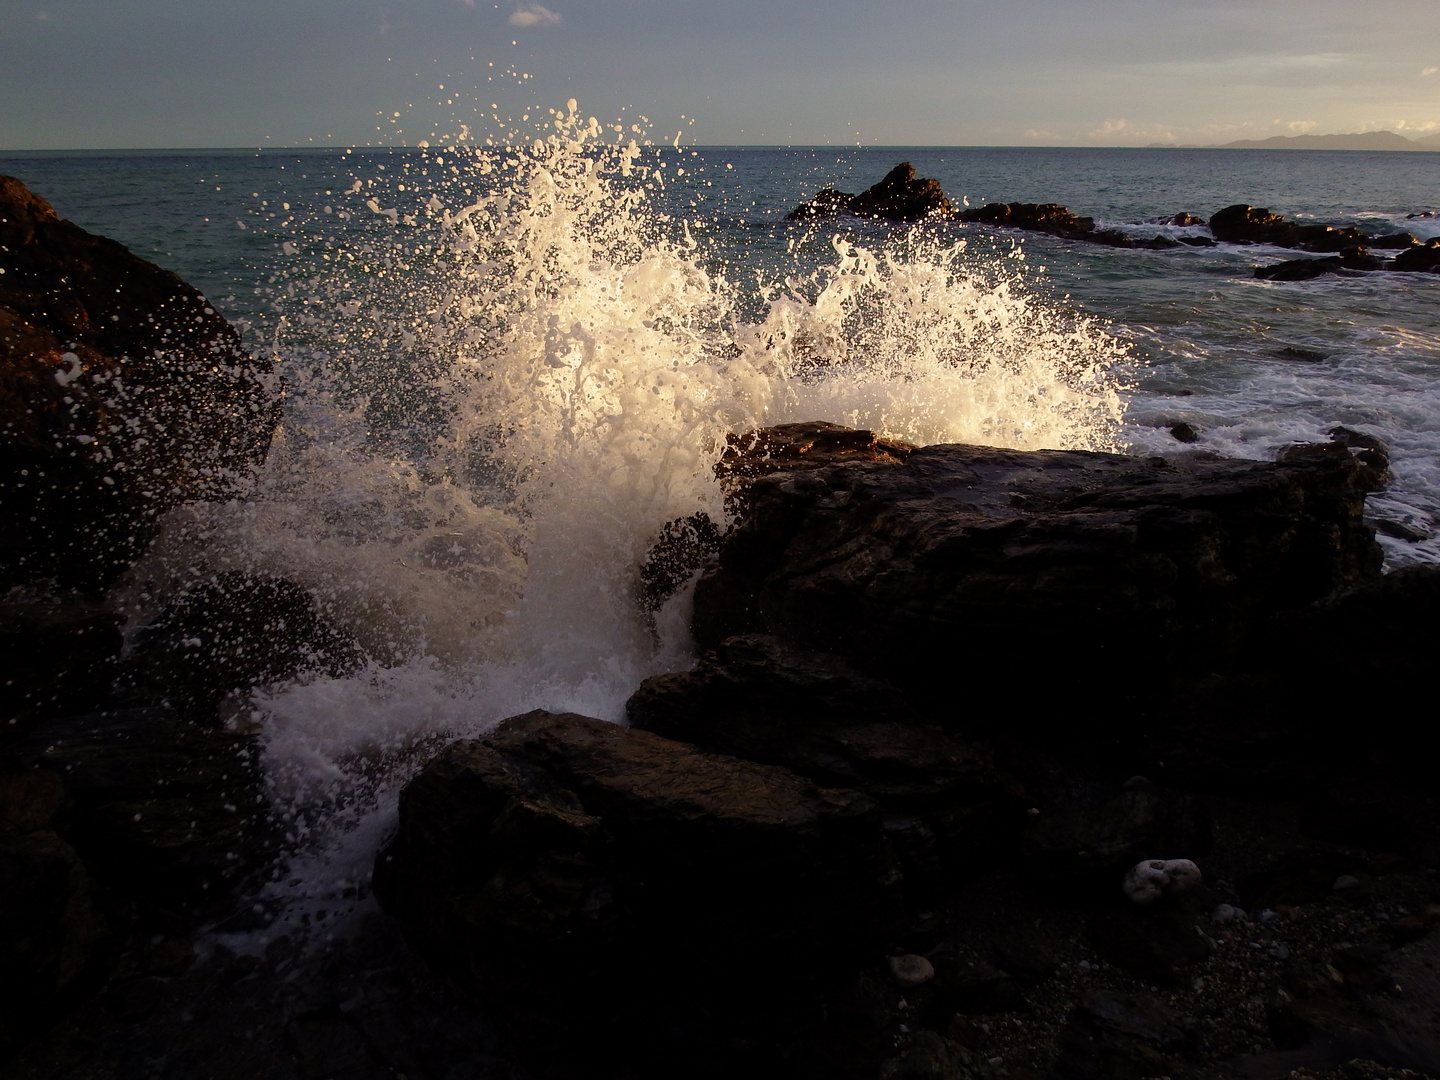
pixel 502 387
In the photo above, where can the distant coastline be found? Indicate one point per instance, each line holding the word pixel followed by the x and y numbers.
pixel 1365 140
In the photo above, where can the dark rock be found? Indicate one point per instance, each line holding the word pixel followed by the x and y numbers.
pixel 1381 634
pixel 1241 224
pixel 1156 942
pixel 980 989
pixel 1124 1037
pixel 682 548
pixel 1354 258
pixel 1033 217
pixel 1028 963
pixel 687 544
pixel 931 1056
pixel 1184 432
pixel 897 197
pixel 58 655
pixel 234 632
pixel 1117 239
pixel 53 929
pixel 759 699
pixel 1294 352
pixel 1092 842
pixel 966 551
pixel 901 197
pixel 1244 222
pixel 165 810
pixel 1158 243
pixel 1293 1024
pixel 616 894
pixel 1419 259
pixel 1301 878
pixel 810 445
pixel 123 394
pixel 1196 241
pixel 1391 241
pixel 826 202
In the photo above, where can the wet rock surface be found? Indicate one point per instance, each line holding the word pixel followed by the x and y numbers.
pixel 901 197
pixel 967 552
pixel 122 394
pixel 876 845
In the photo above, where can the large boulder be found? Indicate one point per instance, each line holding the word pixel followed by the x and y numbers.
pixel 122 394
pixel 1038 571
pixel 53 930
pixel 618 895
pixel 755 697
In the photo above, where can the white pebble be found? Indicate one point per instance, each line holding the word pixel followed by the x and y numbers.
pixel 1151 879
pixel 911 970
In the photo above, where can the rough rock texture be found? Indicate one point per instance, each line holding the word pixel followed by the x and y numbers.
pixel 1351 259
pixel 686 544
pixel 166 811
pixel 1247 224
pixel 53 930
pixel 621 893
pixel 235 632
pixel 1032 217
pixel 122 394
pixel 946 803
pixel 897 197
pixel 1008 563
pixel 58 655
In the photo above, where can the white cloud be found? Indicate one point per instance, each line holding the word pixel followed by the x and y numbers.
pixel 534 15
pixel 1150 132
pixel 1431 70
pixel 1302 127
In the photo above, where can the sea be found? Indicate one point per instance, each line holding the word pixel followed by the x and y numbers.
pixel 508 360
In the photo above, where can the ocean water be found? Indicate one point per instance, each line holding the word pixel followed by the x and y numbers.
pixel 507 367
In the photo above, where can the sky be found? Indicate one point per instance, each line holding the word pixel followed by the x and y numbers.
pixel 81 74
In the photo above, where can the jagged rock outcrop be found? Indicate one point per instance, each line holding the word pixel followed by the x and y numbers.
pixel 122 394
pixel 899 196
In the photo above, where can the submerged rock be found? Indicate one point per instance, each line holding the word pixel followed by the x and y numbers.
pixel 122 394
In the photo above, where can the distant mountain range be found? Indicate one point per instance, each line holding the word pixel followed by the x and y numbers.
pixel 1365 140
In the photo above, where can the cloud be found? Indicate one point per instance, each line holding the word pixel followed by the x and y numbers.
pixel 1431 70
pixel 1151 132
pixel 1302 127
pixel 534 15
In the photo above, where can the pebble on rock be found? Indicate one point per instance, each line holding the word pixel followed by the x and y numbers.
pixel 1150 879
pixel 911 970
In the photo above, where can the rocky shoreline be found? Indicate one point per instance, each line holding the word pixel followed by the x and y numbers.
pixel 946 698
pixel 900 196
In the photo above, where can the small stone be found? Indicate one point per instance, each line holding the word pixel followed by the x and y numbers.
pixel 1227 913
pixel 1268 916
pixel 1345 881
pixel 911 970
pixel 1151 879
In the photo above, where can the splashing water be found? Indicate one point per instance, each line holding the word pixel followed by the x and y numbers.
pixel 495 403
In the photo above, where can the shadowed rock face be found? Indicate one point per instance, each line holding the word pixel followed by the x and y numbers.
pixel 122 394
pixel 612 888
pixel 1004 563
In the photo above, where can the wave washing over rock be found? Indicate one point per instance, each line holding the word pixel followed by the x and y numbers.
pixel 494 406
pixel 510 397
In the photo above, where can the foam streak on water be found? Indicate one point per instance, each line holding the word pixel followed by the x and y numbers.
pixel 497 400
